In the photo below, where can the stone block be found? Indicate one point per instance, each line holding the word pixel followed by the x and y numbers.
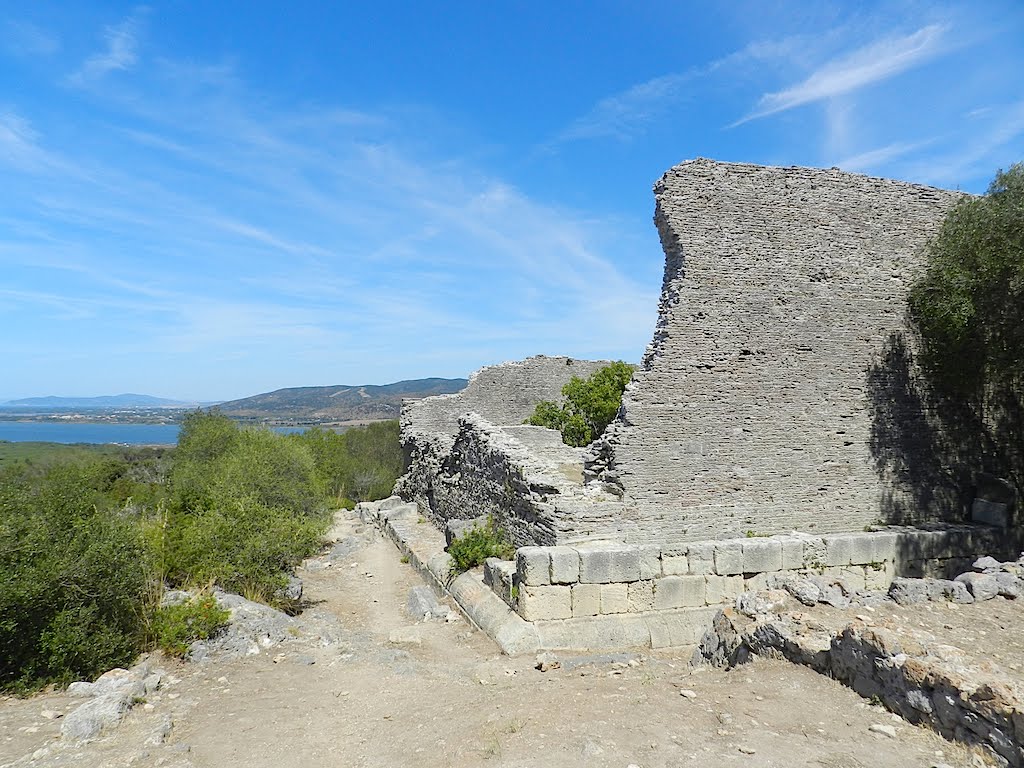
pixel 883 547
pixel 565 565
pixel 991 513
pixel 728 558
pixel 533 564
pixel 701 558
pixel 853 576
pixel 650 562
pixel 614 598
pixel 838 550
pixel 606 566
pixel 723 589
pixel 595 633
pixel 792 554
pixel 539 602
pixel 761 556
pixel 641 596
pixel 675 565
pixel 586 599
pixel 679 628
pixel 878 577
pixel 756 582
pixel 679 592
pixel 862 548
pixel 814 553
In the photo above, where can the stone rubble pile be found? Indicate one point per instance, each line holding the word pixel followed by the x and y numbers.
pixel 110 698
pixel 912 673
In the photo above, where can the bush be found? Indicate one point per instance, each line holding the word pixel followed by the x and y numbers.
pixel 175 627
pixel 75 578
pixel 360 464
pixel 477 544
pixel 590 405
pixel 246 507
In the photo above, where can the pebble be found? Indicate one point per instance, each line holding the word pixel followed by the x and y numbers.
pixel 747 750
pixel 49 714
pixel 885 730
pixel 688 694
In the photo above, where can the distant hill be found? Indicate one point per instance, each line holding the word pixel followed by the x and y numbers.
pixel 339 403
pixel 105 401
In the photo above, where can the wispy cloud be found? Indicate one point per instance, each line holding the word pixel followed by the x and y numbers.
pixel 121 51
pixel 979 154
pixel 626 114
pixel 23 38
pixel 622 115
pixel 870 64
pixel 876 159
pixel 19 145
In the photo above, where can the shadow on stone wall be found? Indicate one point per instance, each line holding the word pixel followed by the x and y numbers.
pixel 929 450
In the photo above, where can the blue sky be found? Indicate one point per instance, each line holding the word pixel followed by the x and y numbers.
pixel 210 200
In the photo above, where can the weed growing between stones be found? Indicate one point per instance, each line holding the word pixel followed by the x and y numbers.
pixel 175 627
pixel 478 543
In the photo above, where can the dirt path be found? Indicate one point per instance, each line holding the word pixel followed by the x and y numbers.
pixel 443 696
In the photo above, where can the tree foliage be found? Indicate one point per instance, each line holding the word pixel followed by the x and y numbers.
pixel 969 307
pixel 590 404
pixel 968 310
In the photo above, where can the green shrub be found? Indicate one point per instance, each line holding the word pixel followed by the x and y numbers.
pixel 360 464
pixel 175 627
pixel 590 405
pixel 247 505
pixel 75 577
pixel 242 545
pixel 477 544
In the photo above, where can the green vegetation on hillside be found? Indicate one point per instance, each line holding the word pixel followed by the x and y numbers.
pixel 360 464
pixel 49 453
pixel 89 540
pixel 589 407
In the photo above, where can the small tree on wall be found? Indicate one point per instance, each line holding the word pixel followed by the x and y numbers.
pixel 589 407
pixel 968 310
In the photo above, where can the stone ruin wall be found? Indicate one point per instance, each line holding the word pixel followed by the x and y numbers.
pixel 750 410
pixel 468 454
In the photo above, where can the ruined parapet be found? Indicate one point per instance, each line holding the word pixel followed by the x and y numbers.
pixel 493 469
pixel 751 408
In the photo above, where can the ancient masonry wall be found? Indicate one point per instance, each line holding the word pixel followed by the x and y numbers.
pixel 604 579
pixel 469 454
pixel 750 410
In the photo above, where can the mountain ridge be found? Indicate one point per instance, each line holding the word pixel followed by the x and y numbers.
pixel 340 402
pixel 126 400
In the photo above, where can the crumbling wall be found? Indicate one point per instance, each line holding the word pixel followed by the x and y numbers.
pixel 750 411
pixel 460 463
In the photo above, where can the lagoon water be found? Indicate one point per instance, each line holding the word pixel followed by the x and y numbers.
pixel 125 434
pixel 55 432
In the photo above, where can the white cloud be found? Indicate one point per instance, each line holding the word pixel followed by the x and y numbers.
pixel 871 64
pixel 625 114
pixel 121 52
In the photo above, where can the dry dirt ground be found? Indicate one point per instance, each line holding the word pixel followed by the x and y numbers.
pixel 446 697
